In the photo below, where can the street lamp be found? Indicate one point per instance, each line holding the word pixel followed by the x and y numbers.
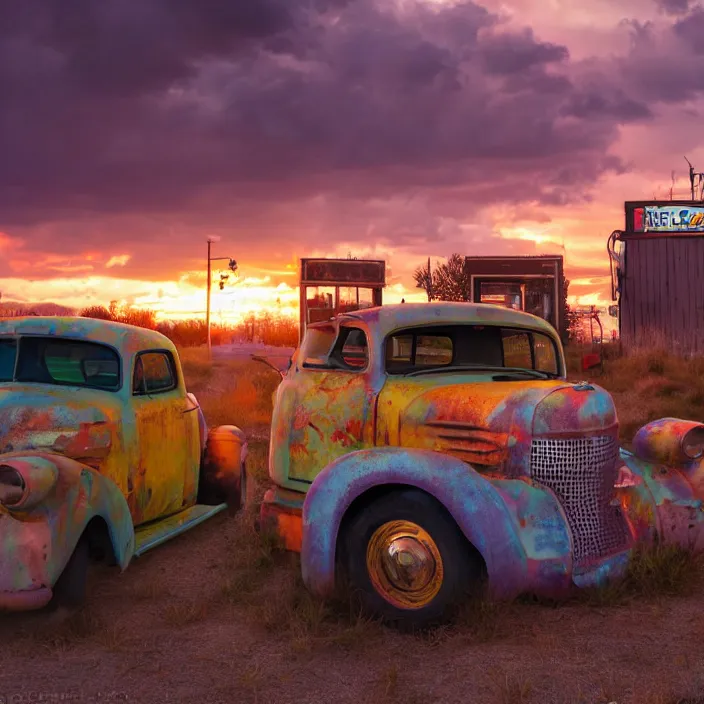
pixel 232 265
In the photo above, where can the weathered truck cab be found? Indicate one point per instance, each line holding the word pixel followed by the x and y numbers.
pixel 425 447
pixel 103 453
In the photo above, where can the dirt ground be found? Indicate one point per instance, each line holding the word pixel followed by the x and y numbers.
pixel 217 616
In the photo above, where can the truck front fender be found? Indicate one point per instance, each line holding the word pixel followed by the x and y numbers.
pixel 663 503
pixel 518 529
pixel 36 544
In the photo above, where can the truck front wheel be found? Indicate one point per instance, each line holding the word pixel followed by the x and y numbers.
pixel 407 560
pixel 70 589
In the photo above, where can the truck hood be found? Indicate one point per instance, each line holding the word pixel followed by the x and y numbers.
pixel 74 423
pixel 494 423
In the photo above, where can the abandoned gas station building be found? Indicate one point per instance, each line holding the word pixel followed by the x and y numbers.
pixel 534 284
pixel 329 287
pixel 657 266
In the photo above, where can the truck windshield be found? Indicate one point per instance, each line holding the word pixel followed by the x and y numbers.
pixel 466 347
pixel 59 361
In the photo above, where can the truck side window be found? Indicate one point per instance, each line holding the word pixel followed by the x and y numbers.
pixel 153 373
pixel 352 349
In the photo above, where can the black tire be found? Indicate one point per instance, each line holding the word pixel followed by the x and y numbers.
pixel 461 565
pixel 70 588
pixel 236 499
pixel 212 492
pixel 243 487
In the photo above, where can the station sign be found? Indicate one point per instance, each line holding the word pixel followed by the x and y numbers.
pixel 665 217
pixel 353 272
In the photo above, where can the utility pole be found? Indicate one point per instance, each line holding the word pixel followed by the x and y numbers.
pixel 207 303
pixel 233 267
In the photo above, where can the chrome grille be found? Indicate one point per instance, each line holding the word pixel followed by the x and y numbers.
pixel 582 473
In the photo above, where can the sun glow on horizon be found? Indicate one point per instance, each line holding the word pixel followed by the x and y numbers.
pixel 177 300
pixel 96 279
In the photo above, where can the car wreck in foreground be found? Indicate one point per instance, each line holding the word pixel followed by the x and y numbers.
pixel 425 449
pixel 103 454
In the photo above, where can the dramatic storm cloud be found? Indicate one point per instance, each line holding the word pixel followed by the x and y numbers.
pixel 131 129
pixel 674 7
pixel 139 105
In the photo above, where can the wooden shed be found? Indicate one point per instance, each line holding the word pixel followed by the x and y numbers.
pixel 534 284
pixel 658 277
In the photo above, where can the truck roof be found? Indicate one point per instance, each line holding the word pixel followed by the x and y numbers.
pixel 388 318
pixel 126 338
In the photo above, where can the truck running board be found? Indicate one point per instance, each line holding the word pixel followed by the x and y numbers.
pixel 153 534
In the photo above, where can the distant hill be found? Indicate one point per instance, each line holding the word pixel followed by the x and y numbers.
pixel 12 308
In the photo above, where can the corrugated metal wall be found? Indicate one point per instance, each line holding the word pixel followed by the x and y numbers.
pixel 662 293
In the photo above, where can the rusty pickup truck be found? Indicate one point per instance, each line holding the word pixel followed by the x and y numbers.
pixel 103 454
pixel 425 449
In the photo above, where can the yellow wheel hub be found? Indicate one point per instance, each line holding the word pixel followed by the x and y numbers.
pixel 404 564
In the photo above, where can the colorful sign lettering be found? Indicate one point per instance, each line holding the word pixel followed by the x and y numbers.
pixel 668 218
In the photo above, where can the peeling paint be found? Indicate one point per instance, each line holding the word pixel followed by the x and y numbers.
pixel 122 457
pixel 465 439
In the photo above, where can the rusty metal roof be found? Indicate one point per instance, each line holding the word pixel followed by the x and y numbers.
pixel 126 338
pixel 388 318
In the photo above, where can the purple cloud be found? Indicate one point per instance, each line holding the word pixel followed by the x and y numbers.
pixel 673 7
pixel 142 106
pixel 146 122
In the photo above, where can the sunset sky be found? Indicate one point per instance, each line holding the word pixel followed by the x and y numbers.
pixel 131 130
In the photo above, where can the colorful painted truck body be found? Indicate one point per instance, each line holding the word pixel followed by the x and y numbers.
pixel 426 448
pixel 103 453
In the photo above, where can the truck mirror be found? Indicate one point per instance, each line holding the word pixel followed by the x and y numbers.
pixel 264 360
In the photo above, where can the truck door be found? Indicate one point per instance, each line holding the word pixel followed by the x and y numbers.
pixel 325 409
pixel 163 442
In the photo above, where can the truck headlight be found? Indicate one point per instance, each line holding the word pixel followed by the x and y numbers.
pixel 25 481
pixel 670 441
pixel 12 486
pixel 693 443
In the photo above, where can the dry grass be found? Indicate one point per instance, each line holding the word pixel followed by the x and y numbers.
pixel 267 583
pixel 231 392
pixel 221 614
pixel 198 370
pixel 62 632
pixel 654 572
pixel 512 687
pixel 182 613
pixel 647 385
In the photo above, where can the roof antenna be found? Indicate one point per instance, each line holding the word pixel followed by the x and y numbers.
pixel 700 180
pixel 691 176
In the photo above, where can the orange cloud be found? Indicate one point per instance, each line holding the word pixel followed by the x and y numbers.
pixel 119 260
